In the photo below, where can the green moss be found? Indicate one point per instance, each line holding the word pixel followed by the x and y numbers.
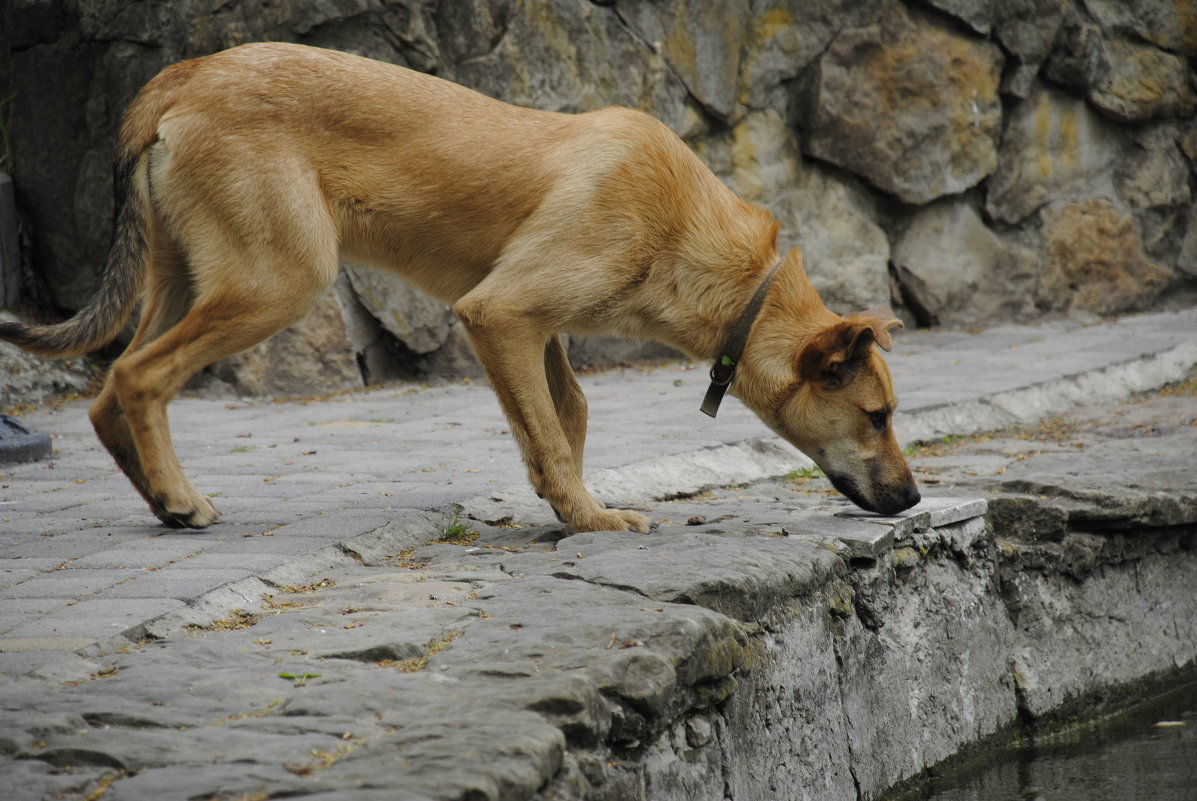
pixel 906 558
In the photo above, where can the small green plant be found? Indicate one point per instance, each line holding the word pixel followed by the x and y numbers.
pixel 300 679
pixel 455 532
pixel 805 474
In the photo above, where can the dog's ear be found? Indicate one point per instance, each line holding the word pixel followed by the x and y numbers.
pixel 879 320
pixel 833 355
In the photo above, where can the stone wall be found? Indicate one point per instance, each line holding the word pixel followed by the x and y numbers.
pixel 969 160
pixel 909 652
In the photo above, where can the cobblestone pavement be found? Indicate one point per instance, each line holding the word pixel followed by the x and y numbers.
pixel 317 496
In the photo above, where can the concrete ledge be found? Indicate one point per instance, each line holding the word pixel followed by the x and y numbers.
pixel 811 655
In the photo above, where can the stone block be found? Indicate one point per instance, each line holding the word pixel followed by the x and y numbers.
pixel 10 644
pixel 1124 78
pixel 909 105
pixel 181 583
pixel 1055 148
pixel 101 620
pixel 956 271
pixel 143 554
pixel 1092 260
pixel 725 576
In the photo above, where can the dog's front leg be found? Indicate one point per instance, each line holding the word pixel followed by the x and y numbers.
pixel 514 356
pixel 568 399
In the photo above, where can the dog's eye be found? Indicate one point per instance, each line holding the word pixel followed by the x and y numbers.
pixel 878 419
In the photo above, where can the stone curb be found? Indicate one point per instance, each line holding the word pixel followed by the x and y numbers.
pixel 1039 400
pixel 405 531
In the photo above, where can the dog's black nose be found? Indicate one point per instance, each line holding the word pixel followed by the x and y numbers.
pixel 912 496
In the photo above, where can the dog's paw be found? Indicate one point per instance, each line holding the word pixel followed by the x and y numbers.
pixel 634 521
pixel 200 513
pixel 616 520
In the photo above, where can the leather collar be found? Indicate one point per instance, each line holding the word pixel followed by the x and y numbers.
pixel 724 369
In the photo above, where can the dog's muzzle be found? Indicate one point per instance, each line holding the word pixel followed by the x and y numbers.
pixel 888 501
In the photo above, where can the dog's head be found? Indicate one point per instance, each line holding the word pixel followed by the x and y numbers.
pixel 822 385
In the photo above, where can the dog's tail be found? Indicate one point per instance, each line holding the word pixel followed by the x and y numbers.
pixel 123 276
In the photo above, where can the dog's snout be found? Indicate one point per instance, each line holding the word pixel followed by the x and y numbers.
pixel 890 501
pixel 913 496
pixel 898 500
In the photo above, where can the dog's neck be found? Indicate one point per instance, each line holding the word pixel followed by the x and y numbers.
pixel 723 371
pixel 791 315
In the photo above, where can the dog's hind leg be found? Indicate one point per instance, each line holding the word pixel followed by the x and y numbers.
pixel 568 399
pixel 273 293
pixel 169 296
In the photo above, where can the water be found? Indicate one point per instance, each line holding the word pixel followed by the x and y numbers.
pixel 1129 758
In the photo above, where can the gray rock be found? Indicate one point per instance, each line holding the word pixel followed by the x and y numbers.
pixel 1166 24
pixel 958 272
pixel 1136 83
pixel 571 56
pixel 831 219
pixel 1187 263
pixel 701 42
pixel 977 14
pixel 1054 148
pixel 455 359
pixel 785 38
pixel 1127 80
pixel 373 346
pixel 1155 172
pixel 1093 260
pixel 312 355
pixel 1027 29
pixel 421 323
pixel 909 105
pixel 33 380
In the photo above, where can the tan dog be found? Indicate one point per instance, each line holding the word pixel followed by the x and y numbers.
pixel 243 177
